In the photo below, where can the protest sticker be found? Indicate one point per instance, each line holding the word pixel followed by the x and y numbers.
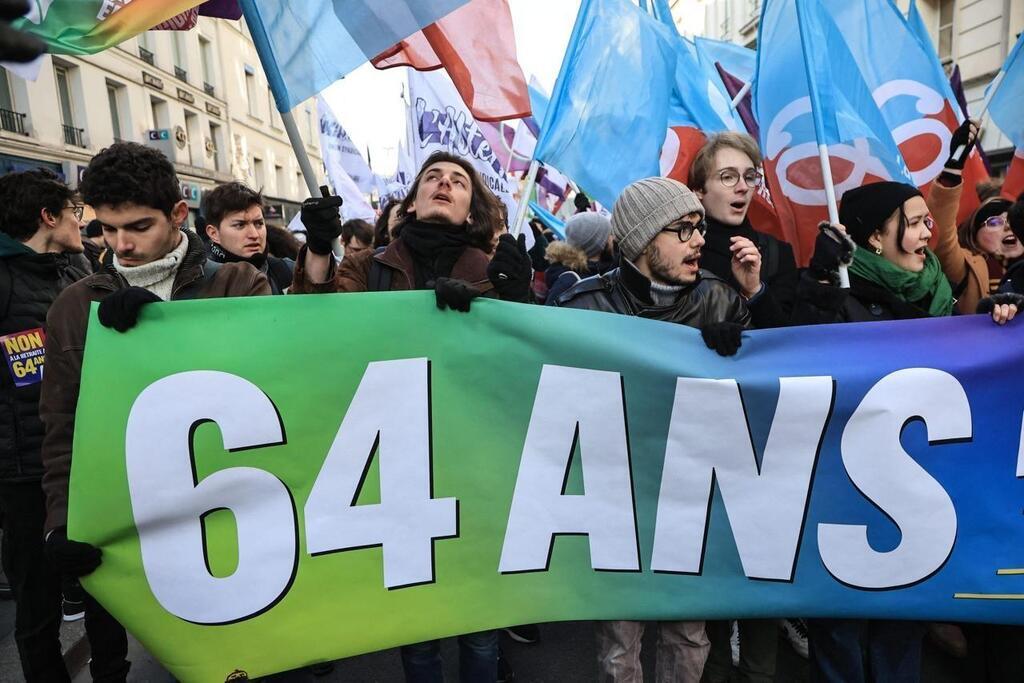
pixel 422 473
pixel 25 354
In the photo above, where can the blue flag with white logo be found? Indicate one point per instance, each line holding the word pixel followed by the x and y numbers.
pixel 1007 104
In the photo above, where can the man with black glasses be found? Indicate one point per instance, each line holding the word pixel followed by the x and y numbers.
pixel 726 175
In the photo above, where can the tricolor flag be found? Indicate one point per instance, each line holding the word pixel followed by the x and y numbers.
pixel 476 45
pixel 81 27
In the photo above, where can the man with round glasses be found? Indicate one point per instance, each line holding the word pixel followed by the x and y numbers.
pixel 726 175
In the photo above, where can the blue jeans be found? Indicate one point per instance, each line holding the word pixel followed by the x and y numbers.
pixel 478 659
pixel 856 650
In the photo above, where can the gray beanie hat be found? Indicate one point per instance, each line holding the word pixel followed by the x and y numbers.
pixel 588 231
pixel 647 206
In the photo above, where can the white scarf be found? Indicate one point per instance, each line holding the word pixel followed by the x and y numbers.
pixel 156 276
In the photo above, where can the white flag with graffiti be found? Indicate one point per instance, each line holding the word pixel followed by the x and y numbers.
pixel 333 141
pixel 441 121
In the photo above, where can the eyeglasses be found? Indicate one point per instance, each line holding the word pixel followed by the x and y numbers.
pixel 997 222
pixel 729 177
pixel 928 221
pixel 77 209
pixel 684 229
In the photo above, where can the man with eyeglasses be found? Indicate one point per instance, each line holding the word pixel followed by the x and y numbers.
pixel 40 255
pixel 726 175
pixel 659 225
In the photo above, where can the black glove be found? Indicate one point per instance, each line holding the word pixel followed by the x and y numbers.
pixel 832 248
pixel 510 270
pixel 725 338
pixel 960 146
pixel 323 222
pixel 454 294
pixel 987 304
pixel 72 558
pixel 121 309
pixel 17 46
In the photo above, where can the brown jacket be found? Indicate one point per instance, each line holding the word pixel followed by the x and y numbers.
pixel 966 271
pixel 66 324
pixel 353 275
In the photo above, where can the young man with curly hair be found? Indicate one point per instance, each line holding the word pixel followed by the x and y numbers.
pixel 137 199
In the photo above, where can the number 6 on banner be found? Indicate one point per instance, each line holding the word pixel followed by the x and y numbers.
pixel 169 504
pixel 390 415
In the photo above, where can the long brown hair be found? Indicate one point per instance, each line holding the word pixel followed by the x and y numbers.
pixel 484 207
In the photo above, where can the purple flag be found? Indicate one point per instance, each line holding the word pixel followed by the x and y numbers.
pixel 221 9
pixel 745 108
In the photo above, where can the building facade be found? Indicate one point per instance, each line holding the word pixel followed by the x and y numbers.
pixel 198 96
pixel 975 35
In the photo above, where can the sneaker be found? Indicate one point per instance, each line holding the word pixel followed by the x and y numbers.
pixel 73 609
pixel 528 633
pixel 505 672
pixel 796 633
pixel 734 643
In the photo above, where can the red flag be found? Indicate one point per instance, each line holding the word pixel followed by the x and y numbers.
pixel 476 45
pixel 1013 184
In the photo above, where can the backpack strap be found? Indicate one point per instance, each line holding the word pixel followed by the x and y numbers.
pixel 379 278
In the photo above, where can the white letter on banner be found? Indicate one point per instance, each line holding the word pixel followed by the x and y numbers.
pixel 169 504
pixel 882 471
pixel 709 441
pixel 389 415
pixel 585 406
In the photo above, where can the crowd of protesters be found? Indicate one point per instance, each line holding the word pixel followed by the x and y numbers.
pixel 679 254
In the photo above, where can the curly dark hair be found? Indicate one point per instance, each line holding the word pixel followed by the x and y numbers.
pixel 484 207
pixel 228 198
pixel 357 228
pixel 127 172
pixel 24 195
pixel 381 236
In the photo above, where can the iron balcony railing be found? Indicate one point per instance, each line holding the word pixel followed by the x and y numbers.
pixel 14 121
pixel 73 136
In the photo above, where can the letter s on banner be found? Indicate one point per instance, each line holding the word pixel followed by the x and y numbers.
pixel 896 483
pixel 169 504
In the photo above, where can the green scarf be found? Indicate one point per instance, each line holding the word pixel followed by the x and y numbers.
pixel 908 286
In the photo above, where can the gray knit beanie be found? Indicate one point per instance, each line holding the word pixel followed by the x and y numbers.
pixel 647 206
pixel 588 231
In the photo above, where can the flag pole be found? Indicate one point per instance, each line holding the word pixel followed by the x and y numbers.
pixel 819 134
pixel 524 199
pixel 996 82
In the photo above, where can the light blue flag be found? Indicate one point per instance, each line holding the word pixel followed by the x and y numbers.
pixel 916 26
pixel 700 98
pixel 1007 103
pixel 608 114
pixel 549 219
pixel 305 46
pixel 737 60
pixel 905 79
pixel 802 60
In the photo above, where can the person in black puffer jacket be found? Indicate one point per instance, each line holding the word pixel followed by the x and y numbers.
pixel 40 255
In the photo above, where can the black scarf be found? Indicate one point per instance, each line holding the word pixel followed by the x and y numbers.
pixel 221 255
pixel 715 255
pixel 435 248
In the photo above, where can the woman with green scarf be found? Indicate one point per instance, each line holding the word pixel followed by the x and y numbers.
pixel 893 276
pixel 893 273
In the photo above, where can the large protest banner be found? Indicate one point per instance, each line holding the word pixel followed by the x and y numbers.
pixel 383 472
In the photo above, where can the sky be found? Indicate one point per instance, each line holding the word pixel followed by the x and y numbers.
pixel 368 101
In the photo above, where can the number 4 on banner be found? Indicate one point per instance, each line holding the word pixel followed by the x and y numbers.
pixel 407 519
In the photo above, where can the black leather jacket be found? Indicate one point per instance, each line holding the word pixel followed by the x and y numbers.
pixel 626 291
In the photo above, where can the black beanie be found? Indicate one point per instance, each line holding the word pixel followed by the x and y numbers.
pixel 94 228
pixel 864 209
pixel 993 207
pixel 1016 219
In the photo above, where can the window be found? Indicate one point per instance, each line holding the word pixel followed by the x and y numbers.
pixel 753 8
pixel 206 60
pixel 158 112
pixel 947 10
pixel 281 180
pixel 115 112
pixel 310 133
pixel 10 119
pixel 215 138
pixel 6 101
pixel 257 173
pixel 726 16
pixel 67 112
pixel 178 48
pixel 275 118
pixel 195 157
pixel 250 90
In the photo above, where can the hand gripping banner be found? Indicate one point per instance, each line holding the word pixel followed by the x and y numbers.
pixel 284 480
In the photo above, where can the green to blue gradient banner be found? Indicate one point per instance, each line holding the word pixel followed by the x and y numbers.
pixel 283 480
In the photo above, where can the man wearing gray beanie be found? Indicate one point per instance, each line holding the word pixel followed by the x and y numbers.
pixel 586 251
pixel 659 226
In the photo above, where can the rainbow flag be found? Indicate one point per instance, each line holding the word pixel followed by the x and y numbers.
pixel 82 27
